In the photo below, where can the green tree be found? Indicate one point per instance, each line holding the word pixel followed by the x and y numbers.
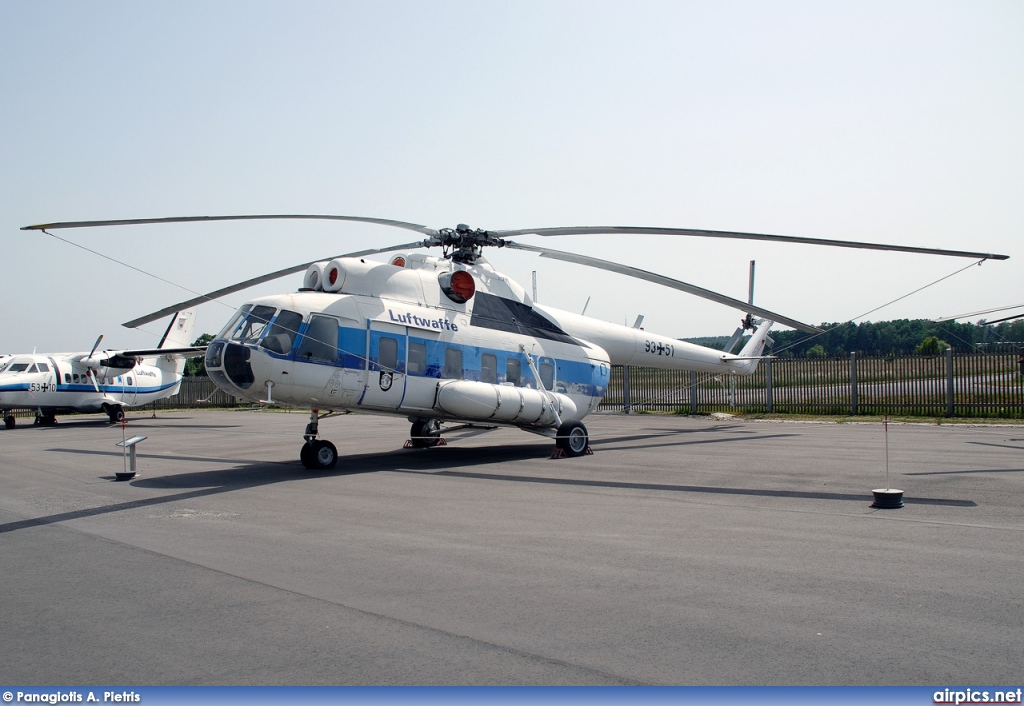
pixel 932 345
pixel 197 366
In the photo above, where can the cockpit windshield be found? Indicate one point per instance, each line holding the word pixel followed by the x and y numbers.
pixel 230 327
pixel 254 324
pixel 17 368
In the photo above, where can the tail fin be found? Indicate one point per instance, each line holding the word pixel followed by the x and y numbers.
pixel 177 335
pixel 752 350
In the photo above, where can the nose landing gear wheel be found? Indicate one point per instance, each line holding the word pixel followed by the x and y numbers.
pixel 318 455
pixel 573 439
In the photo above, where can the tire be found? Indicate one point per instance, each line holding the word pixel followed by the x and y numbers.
pixel 426 433
pixel 306 455
pixel 10 422
pixel 573 439
pixel 325 455
pixel 116 414
pixel 318 455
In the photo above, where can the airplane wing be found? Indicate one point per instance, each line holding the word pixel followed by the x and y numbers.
pixel 188 352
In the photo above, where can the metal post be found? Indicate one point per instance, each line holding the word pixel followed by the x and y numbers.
pixel 949 382
pixel 853 384
pixel 693 392
pixel 626 402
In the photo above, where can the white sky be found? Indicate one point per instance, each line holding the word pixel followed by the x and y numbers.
pixel 886 122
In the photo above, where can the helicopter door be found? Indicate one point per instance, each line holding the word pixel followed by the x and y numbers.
pixel 385 384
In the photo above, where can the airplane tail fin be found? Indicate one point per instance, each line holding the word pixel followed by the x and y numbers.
pixel 177 335
pixel 753 350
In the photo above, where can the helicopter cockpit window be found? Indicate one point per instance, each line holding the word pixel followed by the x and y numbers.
pixel 254 325
pixel 231 325
pixel 283 332
pixel 320 341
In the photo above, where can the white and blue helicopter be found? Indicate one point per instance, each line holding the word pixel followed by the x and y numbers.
pixel 443 340
pixel 105 381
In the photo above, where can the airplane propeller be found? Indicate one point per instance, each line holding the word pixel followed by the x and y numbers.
pixel 464 244
pixel 89 363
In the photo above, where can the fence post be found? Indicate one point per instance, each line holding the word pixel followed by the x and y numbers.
pixel 853 383
pixel 693 392
pixel 625 390
pixel 770 407
pixel 949 382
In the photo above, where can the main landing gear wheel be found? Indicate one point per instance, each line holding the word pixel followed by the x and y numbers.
pixel 115 412
pixel 9 421
pixel 46 420
pixel 426 433
pixel 573 439
pixel 318 455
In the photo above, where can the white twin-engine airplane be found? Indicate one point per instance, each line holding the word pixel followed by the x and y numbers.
pixel 96 381
pixel 450 339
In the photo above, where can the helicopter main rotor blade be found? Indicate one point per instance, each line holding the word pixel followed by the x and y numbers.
pixel 972 314
pixel 643 230
pixel 667 282
pixel 223 292
pixel 191 219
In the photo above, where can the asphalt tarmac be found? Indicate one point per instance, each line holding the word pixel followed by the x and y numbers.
pixel 685 551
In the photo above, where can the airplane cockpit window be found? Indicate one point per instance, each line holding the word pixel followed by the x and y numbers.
pixel 43 367
pixel 18 368
pixel 231 325
pixel 32 369
pixel 283 332
pixel 254 325
pixel 320 341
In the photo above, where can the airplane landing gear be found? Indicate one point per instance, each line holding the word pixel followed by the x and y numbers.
pixel 317 454
pixel 426 433
pixel 9 421
pixel 573 439
pixel 115 412
pixel 46 420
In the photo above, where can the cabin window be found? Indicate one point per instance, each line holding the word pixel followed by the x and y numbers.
pixel 77 379
pixel 547 375
pixel 417 358
pixel 387 355
pixel 67 378
pixel 43 367
pixel 512 370
pixel 320 341
pixel 130 383
pixel 283 332
pixel 488 368
pixel 254 325
pixel 453 363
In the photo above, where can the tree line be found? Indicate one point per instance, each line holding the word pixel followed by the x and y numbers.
pixel 898 337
